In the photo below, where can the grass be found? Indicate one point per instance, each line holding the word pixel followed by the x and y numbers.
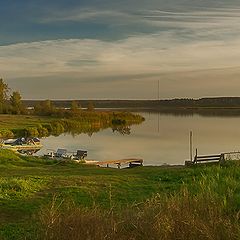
pixel 84 122
pixel 168 202
pixel 22 121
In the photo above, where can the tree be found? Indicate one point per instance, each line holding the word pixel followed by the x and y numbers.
pixel 16 102
pixel 4 89
pixel 45 108
pixel 48 107
pixel 75 110
pixel 90 106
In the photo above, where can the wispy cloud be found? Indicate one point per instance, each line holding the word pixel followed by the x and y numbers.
pixel 209 23
pixel 86 14
pixel 182 46
pixel 142 54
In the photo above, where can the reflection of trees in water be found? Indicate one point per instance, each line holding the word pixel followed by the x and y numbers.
pixel 120 122
pixel 90 130
pixel 199 111
pixel 124 130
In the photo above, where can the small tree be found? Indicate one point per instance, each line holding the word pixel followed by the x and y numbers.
pixel 47 106
pixel 44 108
pixel 4 89
pixel 90 106
pixel 16 103
pixel 75 110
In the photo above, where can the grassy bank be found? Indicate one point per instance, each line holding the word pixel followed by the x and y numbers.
pixel 85 122
pixel 43 199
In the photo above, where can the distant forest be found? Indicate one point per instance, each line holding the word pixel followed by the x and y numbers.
pixel 217 102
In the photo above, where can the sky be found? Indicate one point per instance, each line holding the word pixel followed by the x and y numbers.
pixel 111 49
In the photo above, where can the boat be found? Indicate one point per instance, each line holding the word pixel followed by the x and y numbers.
pixel 63 154
pixel 22 145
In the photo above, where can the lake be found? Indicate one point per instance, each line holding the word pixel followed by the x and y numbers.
pixel 161 139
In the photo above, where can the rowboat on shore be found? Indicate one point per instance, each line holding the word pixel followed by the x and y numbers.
pixel 63 154
pixel 22 145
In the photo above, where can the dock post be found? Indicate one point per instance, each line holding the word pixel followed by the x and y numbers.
pixel 222 158
pixel 107 165
pixel 195 158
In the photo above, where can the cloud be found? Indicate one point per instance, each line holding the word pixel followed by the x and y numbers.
pixel 134 55
pixel 184 48
pixel 85 14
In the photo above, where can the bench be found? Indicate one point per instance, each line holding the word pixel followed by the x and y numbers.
pixel 81 154
pixel 60 153
pixel 209 158
pixel 206 159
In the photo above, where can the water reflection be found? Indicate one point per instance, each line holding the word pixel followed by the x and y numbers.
pixel 208 112
pixel 124 130
pixel 162 138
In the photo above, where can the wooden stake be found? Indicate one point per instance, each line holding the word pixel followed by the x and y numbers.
pixel 191 135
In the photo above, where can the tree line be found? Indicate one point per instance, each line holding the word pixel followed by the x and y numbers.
pixel 10 103
pixel 13 104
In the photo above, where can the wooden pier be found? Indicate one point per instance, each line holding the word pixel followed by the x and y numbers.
pixel 133 162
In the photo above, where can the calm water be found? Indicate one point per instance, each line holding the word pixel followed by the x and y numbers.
pixel 160 139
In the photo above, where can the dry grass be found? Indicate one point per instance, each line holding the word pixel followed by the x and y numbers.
pixel 180 216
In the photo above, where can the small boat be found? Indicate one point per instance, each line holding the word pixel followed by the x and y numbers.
pixel 22 145
pixel 64 154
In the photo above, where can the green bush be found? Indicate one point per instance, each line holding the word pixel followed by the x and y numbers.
pixel 42 131
pixel 5 133
pixel 48 126
pixel 57 128
pixel 32 132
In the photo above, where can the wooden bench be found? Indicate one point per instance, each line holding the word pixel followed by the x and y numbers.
pixel 206 159
pixel 81 154
pixel 209 158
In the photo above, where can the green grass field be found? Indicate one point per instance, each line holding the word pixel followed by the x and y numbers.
pixel 29 184
pixel 22 121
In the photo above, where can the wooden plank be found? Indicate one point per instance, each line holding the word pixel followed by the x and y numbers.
pixel 122 161
pixel 208 159
pixel 209 156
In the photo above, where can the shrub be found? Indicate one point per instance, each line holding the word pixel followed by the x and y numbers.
pixel 57 128
pixel 43 132
pixel 31 132
pixel 5 133
pixel 48 126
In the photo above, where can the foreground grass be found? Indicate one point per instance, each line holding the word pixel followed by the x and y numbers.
pixel 42 199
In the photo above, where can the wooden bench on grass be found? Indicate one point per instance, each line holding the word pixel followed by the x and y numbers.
pixel 209 158
pixel 206 159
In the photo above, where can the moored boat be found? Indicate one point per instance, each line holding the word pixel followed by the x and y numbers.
pixel 22 145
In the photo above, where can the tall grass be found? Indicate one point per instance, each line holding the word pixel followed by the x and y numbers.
pixel 14 188
pixel 202 210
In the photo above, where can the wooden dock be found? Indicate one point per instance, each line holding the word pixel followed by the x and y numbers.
pixel 133 162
